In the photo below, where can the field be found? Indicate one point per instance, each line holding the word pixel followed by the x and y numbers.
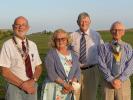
pixel 42 42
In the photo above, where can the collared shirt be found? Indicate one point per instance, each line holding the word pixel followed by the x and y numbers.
pixel 93 39
pixel 105 59
pixel 11 58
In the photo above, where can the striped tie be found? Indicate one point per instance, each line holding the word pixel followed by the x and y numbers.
pixel 82 57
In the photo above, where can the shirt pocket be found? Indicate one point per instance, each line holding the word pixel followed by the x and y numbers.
pixel 32 58
pixel 14 61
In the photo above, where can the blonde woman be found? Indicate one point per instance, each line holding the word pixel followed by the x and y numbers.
pixel 63 69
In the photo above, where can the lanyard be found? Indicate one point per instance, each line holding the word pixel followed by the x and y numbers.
pixel 21 52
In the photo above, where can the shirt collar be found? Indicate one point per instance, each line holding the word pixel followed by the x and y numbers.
pixel 86 33
pixel 19 41
pixel 120 42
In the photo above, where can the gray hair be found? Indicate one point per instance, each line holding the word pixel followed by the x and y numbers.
pixel 21 17
pixel 82 15
pixel 117 23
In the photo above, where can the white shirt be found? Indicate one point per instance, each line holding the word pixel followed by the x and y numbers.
pixel 93 39
pixel 11 58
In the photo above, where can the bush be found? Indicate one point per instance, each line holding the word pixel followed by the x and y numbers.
pixel 5 33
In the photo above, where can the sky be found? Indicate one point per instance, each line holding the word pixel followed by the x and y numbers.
pixel 53 14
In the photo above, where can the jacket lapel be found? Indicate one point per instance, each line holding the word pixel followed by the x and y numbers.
pixel 60 66
pixel 72 69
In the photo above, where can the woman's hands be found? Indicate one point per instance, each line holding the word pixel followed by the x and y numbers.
pixel 67 88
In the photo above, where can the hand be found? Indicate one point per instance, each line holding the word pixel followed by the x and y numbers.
pixel 31 90
pixel 68 87
pixel 29 86
pixel 116 84
pixel 83 65
pixel 64 91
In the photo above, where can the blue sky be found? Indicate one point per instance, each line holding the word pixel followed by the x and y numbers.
pixel 53 14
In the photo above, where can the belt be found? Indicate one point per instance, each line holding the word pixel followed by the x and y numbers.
pixel 84 68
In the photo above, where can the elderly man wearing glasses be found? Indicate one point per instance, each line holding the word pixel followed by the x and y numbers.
pixel 115 62
pixel 21 64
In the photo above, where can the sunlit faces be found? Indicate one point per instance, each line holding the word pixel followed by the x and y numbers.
pixel 61 40
pixel 20 27
pixel 117 31
pixel 84 24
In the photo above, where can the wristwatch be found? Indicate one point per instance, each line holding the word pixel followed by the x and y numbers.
pixel 35 79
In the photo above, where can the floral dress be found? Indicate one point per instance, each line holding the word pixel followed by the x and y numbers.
pixel 52 90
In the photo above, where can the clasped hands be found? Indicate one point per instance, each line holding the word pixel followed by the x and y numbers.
pixel 67 88
pixel 116 83
pixel 28 86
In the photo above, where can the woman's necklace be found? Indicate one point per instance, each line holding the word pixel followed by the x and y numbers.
pixel 64 57
pixel 68 61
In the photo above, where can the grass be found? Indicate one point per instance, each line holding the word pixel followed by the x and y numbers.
pixel 42 43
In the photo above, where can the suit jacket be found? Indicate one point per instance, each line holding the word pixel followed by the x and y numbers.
pixel 55 68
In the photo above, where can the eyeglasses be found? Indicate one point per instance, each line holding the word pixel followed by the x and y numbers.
pixel 117 30
pixel 20 25
pixel 60 39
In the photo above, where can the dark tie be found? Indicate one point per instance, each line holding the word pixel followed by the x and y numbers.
pixel 27 63
pixel 82 57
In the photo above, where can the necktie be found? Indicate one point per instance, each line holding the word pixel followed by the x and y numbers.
pixel 116 64
pixel 28 68
pixel 82 57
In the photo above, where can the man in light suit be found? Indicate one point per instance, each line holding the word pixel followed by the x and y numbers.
pixel 85 42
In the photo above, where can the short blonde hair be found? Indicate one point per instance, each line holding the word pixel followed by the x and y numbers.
pixel 54 36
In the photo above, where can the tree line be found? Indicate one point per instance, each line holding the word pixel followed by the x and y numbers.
pixel 5 33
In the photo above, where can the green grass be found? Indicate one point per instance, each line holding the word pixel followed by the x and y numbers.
pixel 42 43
